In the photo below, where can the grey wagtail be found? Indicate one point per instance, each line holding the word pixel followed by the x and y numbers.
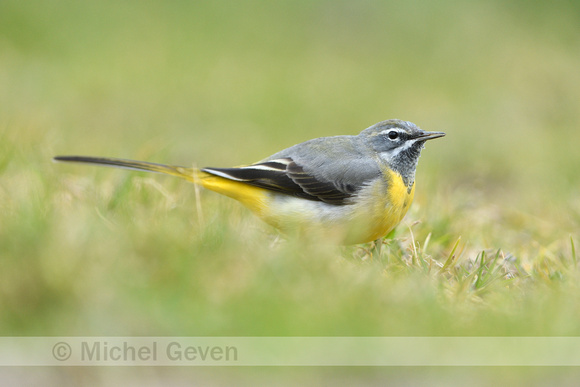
pixel 357 187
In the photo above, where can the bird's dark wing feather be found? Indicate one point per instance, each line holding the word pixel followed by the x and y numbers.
pixel 286 176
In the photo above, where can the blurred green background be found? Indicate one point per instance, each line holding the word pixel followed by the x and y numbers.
pixel 88 251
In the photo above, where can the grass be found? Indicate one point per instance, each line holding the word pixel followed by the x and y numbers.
pixel 118 244
pixel 488 247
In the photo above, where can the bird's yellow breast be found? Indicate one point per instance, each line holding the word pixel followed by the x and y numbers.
pixel 392 199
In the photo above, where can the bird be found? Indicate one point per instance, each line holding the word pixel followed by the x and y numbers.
pixel 353 188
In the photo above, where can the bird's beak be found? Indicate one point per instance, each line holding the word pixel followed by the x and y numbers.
pixel 430 135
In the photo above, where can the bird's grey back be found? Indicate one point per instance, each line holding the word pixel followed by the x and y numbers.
pixel 344 160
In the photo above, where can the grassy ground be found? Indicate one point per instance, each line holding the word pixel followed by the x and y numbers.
pixel 488 247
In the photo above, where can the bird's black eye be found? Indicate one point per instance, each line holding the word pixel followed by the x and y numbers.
pixel 393 135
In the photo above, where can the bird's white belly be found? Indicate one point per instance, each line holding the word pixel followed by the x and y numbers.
pixel 372 213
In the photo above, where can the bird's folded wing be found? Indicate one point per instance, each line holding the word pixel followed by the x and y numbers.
pixel 286 176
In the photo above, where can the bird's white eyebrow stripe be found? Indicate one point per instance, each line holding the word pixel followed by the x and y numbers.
pixel 392 129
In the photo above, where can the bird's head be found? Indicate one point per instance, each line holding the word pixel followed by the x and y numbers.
pixel 398 144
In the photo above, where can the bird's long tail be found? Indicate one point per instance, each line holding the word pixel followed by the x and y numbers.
pixel 190 174
pixel 251 196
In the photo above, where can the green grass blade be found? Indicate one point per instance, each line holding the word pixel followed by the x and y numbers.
pixel 574 258
pixel 451 258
